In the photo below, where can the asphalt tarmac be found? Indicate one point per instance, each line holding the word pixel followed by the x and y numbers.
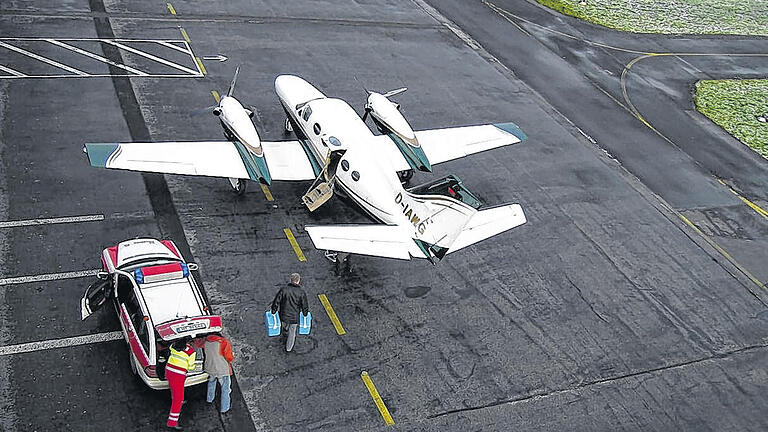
pixel 606 311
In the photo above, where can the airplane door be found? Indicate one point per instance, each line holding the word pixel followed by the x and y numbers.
pixel 95 297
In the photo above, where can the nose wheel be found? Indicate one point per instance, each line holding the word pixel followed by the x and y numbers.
pixel 288 125
pixel 238 185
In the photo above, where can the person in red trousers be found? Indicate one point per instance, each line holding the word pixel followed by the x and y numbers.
pixel 182 359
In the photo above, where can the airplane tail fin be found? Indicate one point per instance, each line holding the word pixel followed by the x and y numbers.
pixel 231 90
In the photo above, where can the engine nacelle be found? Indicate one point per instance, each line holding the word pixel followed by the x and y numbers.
pixel 390 121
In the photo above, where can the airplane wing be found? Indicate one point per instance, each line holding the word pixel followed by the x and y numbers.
pixel 441 145
pixel 388 241
pixel 286 159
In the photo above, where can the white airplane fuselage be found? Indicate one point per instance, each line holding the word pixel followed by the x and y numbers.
pixel 329 124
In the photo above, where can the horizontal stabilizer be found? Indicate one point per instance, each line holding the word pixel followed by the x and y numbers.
pixel 389 241
pixel 487 223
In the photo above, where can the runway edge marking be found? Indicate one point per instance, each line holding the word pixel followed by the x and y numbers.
pixel 332 315
pixel 377 399
pixel 60 343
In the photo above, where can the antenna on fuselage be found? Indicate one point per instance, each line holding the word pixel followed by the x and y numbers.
pixel 231 90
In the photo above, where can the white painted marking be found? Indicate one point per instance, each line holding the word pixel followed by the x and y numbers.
pixel 49 221
pixel 95 56
pixel 173 46
pixel 48 277
pixel 42 59
pixel 11 71
pixel 60 343
pixel 151 57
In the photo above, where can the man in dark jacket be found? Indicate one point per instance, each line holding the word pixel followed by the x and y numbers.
pixel 289 301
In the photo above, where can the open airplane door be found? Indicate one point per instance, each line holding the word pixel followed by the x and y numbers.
pixel 322 188
pixel 95 297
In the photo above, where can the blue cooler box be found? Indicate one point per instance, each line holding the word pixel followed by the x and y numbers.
pixel 305 323
pixel 273 323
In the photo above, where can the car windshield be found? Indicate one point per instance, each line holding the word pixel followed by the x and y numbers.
pixel 140 263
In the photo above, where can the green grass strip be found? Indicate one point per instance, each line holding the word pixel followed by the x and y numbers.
pixel 738 106
pixel 743 17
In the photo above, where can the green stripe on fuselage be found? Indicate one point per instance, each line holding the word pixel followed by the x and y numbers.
pixel 98 153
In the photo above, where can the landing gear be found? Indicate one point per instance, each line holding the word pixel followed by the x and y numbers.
pixel 340 260
pixel 238 185
pixel 405 176
pixel 288 126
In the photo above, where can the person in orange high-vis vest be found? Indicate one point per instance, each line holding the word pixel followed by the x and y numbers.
pixel 181 361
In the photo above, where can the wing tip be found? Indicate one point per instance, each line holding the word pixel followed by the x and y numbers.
pixel 99 153
pixel 513 129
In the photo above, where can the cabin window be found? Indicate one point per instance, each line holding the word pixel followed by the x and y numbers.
pixel 334 141
pixel 345 165
pixel 316 128
pixel 355 175
pixel 307 113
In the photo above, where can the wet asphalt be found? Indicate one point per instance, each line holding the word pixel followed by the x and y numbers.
pixel 605 312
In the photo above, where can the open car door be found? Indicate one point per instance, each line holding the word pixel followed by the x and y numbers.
pixel 95 297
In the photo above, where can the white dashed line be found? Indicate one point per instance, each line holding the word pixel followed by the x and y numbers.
pixel 48 277
pixel 48 221
pixel 60 343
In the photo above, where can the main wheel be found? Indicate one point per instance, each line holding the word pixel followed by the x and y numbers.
pixel 405 176
pixel 288 125
pixel 238 185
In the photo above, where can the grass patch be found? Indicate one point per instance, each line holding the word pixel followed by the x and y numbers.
pixel 737 106
pixel 743 17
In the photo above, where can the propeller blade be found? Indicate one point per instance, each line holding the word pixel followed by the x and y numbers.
pixel 200 111
pixel 234 81
pixel 395 92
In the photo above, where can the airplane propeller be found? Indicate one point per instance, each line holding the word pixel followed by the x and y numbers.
pixel 231 90
pixel 395 92
pixel 387 95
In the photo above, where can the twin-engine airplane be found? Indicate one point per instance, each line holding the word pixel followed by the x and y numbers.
pixel 337 150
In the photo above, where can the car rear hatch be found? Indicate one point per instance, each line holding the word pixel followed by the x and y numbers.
pixel 189 327
pixel 193 327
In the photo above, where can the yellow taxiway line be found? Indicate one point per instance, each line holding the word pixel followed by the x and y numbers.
pixel 184 34
pixel 377 399
pixel 267 193
pixel 332 314
pixel 294 244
